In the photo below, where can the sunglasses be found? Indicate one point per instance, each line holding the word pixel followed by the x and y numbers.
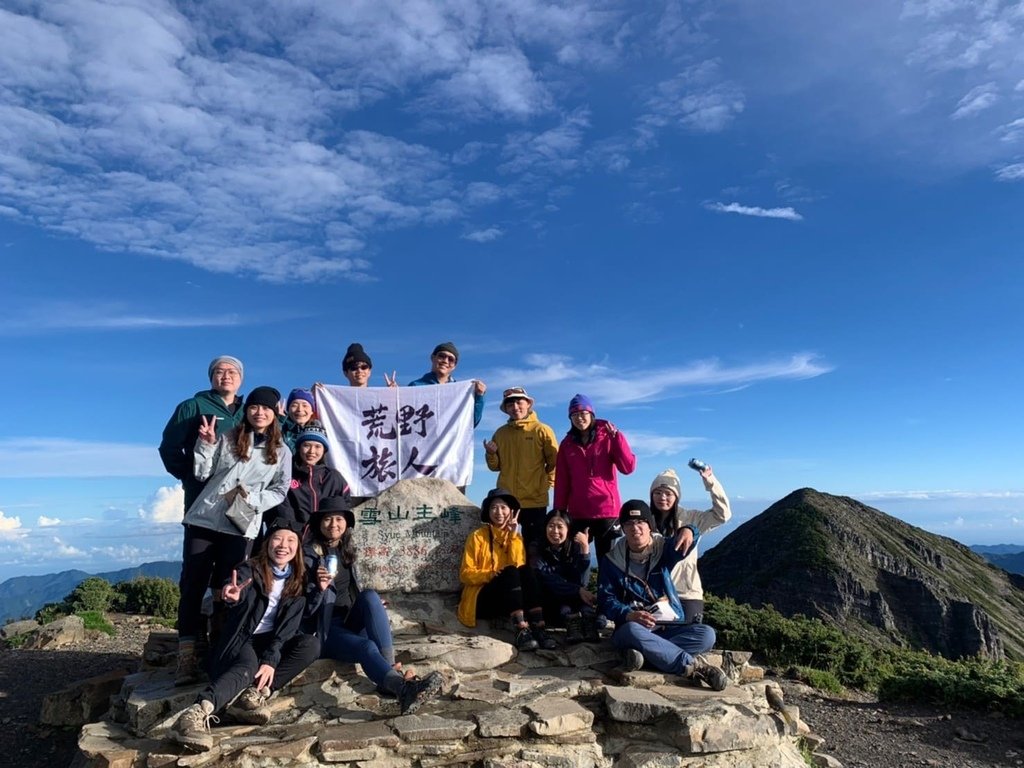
pixel 360 367
pixel 444 358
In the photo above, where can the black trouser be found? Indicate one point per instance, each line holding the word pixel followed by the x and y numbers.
pixel 554 613
pixel 532 521
pixel 603 532
pixel 230 675
pixel 207 559
pixel 513 589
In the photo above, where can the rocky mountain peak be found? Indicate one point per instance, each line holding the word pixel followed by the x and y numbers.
pixel 835 558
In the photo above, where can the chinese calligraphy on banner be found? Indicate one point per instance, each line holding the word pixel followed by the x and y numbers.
pixel 380 435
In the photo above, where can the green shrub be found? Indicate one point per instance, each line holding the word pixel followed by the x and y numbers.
pixel 93 594
pixel 51 612
pixel 149 595
pixel 17 641
pixel 96 620
pixel 824 656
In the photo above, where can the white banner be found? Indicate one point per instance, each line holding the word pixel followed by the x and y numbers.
pixel 380 435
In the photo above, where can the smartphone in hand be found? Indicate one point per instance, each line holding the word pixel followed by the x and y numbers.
pixel 697 464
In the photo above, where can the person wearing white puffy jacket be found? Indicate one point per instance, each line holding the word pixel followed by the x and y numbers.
pixel 665 497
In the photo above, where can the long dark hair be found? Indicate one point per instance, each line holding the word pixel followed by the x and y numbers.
pixel 241 440
pixel 296 584
pixel 346 547
pixel 666 520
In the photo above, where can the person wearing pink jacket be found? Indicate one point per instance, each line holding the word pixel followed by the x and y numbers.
pixel 586 484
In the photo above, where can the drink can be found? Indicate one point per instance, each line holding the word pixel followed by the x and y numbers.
pixel 332 565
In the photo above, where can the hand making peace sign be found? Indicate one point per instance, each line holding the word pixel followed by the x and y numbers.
pixel 208 429
pixel 232 592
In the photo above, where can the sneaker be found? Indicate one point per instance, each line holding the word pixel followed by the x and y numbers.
pixel 524 640
pixel 251 707
pixel 192 728
pixel 573 629
pixel 713 677
pixel 416 691
pixel 544 640
pixel 590 633
pixel 632 660
pixel 188 671
pixel 602 622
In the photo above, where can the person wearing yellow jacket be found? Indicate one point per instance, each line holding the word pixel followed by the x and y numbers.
pixel 495 579
pixel 523 453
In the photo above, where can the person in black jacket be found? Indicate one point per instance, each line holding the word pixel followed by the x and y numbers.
pixel 562 563
pixel 351 622
pixel 261 649
pixel 312 480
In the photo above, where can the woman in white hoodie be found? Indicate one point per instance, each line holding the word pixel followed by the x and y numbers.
pixel 665 496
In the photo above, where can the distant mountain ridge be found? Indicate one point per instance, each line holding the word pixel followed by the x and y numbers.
pixel 22 596
pixel 997 549
pixel 835 558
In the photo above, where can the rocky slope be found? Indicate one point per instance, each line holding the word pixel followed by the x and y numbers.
pixel 834 558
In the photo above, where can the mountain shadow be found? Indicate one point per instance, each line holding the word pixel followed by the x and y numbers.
pixel 833 558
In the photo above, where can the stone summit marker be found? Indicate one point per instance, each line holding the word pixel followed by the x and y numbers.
pixel 410 537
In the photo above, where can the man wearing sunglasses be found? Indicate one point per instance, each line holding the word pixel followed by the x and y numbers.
pixel 443 360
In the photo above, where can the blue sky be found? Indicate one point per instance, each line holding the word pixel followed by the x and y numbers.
pixel 782 237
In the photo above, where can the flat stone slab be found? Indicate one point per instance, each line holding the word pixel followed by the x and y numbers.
pixel 340 738
pixel 634 705
pixel 502 723
pixel 463 653
pixel 431 728
pixel 554 715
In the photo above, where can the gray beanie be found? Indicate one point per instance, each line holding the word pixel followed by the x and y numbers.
pixel 668 479
pixel 225 359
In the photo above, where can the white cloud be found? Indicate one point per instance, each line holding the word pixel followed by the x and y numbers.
pixel 8 525
pixel 26 457
pixel 1012 131
pixel 648 444
pixel 937 495
pixel 548 377
pixel 978 99
pixel 1014 172
pixel 167 505
pixel 50 316
pixel 553 151
pixel 786 213
pixel 47 522
pixel 698 99
pixel 484 235
pixel 62 549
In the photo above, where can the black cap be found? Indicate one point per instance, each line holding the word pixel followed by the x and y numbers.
pixel 267 396
pixel 635 509
pixel 355 354
pixel 285 522
pixel 446 346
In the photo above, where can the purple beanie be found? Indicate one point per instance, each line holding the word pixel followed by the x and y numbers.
pixel 580 403
pixel 301 394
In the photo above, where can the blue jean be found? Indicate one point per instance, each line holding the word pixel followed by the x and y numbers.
pixel 670 649
pixel 364 637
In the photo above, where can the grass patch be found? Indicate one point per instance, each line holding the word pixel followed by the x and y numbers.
pixel 160 621
pixel 96 620
pixel 17 641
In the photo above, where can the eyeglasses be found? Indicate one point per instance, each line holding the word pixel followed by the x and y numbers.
pixel 229 373
pixel 360 367
pixel 445 358
pixel 579 414
pixel 662 492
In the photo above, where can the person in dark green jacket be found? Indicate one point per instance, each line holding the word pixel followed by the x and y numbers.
pixel 222 400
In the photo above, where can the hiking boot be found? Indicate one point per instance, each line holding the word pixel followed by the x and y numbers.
pixel 702 672
pixel 192 728
pixel 573 629
pixel 416 691
pixel 251 707
pixel 590 633
pixel 632 660
pixel 524 640
pixel 543 639
pixel 188 671
pixel 602 622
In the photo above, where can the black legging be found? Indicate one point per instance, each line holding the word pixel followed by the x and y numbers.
pixel 207 559
pixel 603 532
pixel 230 675
pixel 513 589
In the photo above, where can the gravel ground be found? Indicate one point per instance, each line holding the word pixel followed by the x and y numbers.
pixel 866 734
pixel 860 733
pixel 27 676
